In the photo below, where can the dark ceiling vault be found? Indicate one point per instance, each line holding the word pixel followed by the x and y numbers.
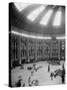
pixel 20 21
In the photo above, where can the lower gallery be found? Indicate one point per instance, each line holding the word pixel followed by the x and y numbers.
pixel 36 62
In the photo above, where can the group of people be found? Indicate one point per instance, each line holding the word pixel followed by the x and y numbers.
pixel 54 75
pixel 30 81
pixel 36 82
pixel 51 74
pixel 19 83
pixel 33 82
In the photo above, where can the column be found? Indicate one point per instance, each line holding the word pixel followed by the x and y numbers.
pixel 36 50
pixel 51 50
pixel 20 50
pixel 59 49
pixel 28 50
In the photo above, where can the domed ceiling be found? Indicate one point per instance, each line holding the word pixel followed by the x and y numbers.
pixel 38 18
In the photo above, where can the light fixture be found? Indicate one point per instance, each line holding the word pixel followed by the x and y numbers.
pixel 46 18
pixel 60 37
pixel 29 36
pixel 34 14
pixel 20 6
pixel 57 19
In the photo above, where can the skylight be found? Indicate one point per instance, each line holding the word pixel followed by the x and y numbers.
pixel 30 36
pixel 57 19
pixel 46 18
pixel 33 15
pixel 20 6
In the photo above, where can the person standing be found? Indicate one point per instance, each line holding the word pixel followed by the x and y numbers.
pixel 63 75
pixel 51 75
pixel 18 84
pixel 49 68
